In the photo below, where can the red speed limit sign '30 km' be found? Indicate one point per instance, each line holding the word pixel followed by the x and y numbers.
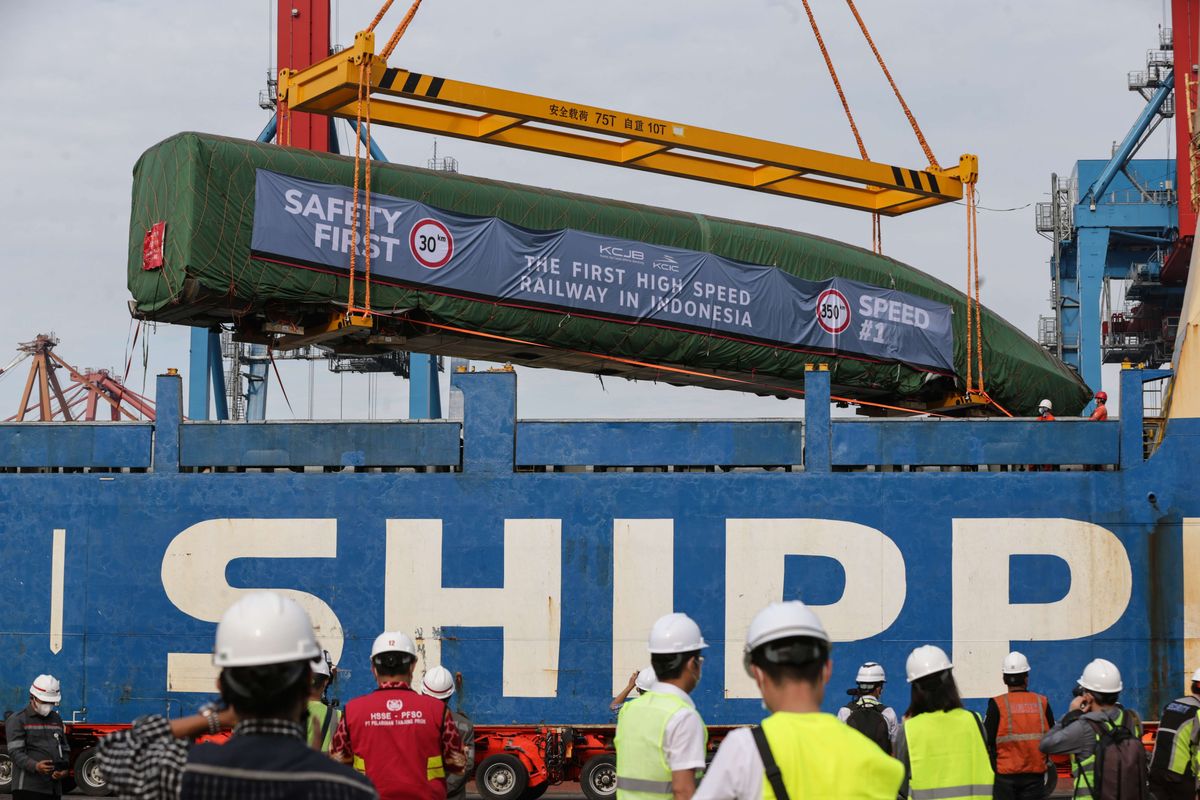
pixel 431 243
pixel 833 311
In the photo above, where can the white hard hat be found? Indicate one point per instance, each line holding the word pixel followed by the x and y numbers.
pixel 1045 404
pixel 676 633
pixel 784 621
pixel 870 672
pixel 393 642
pixel 438 682
pixel 264 628
pixel 926 660
pixel 645 679
pixel 1196 675
pixel 1015 664
pixel 1101 676
pixel 47 689
pixel 321 667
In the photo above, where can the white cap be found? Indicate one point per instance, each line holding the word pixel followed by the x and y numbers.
pixel 393 642
pixel 264 628
pixel 438 682
pixel 47 689
pixel 645 679
pixel 870 672
pixel 926 660
pixel 676 633
pixel 1101 676
pixel 1046 404
pixel 1015 664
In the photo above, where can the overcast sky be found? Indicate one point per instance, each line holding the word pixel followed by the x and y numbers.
pixel 1030 87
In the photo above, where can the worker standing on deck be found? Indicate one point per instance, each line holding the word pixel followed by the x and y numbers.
pixel 866 713
pixel 798 752
pixel 1045 409
pixel 1177 747
pixel 404 742
pixel 639 683
pixel 661 738
pixel 940 743
pixel 1101 412
pixel 37 743
pixel 439 683
pixel 322 715
pixel 1015 722
pixel 265 649
pixel 1076 733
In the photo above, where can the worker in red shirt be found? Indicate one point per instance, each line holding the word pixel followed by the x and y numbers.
pixel 405 742
pixel 1044 411
pixel 1101 412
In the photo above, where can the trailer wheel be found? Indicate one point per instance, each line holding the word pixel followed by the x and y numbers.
pixel 88 776
pixel 501 777
pixel 598 780
pixel 534 792
pixel 6 773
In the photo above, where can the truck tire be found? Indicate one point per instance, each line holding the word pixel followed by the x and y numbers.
pixel 534 792
pixel 501 777
pixel 88 777
pixel 598 779
pixel 6 773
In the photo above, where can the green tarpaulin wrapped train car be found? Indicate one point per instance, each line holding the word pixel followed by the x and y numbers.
pixel 203 188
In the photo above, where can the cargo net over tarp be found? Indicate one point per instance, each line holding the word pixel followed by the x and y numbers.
pixel 194 207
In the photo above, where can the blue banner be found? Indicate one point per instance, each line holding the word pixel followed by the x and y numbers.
pixel 309 224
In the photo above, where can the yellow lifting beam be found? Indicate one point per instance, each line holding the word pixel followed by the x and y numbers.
pixel 411 100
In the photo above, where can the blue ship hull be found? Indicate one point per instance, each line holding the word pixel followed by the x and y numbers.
pixel 537 578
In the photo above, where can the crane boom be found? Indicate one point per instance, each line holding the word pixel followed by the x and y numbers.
pixel 416 101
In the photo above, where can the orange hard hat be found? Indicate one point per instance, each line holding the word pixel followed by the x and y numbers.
pixel 1102 396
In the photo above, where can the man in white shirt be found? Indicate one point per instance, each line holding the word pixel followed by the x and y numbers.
pixel 661 738
pixel 866 713
pixel 798 752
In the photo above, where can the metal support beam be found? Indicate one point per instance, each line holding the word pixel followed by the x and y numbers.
pixel 256 382
pixel 372 145
pixel 414 101
pixel 198 370
pixel 216 369
pixel 424 390
pixel 1092 253
pixel 1130 143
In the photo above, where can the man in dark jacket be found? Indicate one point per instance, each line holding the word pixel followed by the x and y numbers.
pixel 37 743
pixel 265 648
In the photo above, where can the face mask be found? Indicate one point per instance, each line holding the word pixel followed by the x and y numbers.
pixel 42 709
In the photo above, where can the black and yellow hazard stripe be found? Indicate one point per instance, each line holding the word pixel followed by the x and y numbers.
pixel 412 83
pixel 911 179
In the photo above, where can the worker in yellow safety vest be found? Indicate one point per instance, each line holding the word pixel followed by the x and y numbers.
pixel 661 738
pixel 323 716
pixel 940 743
pixel 798 752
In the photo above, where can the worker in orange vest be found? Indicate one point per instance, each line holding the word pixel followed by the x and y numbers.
pixel 1044 411
pixel 1101 412
pixel 1014 725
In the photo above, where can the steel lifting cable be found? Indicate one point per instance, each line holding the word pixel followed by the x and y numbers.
pixel 974 348
pixel 895 89
pixel 363 123
pixel 876 233
pixel 400 29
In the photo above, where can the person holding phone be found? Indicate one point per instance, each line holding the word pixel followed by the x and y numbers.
pixel 37 743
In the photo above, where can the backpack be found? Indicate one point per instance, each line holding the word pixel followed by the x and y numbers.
pixel 1120 770
pixel 868 719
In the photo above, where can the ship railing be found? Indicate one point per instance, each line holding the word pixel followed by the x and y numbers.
pixel 490 439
